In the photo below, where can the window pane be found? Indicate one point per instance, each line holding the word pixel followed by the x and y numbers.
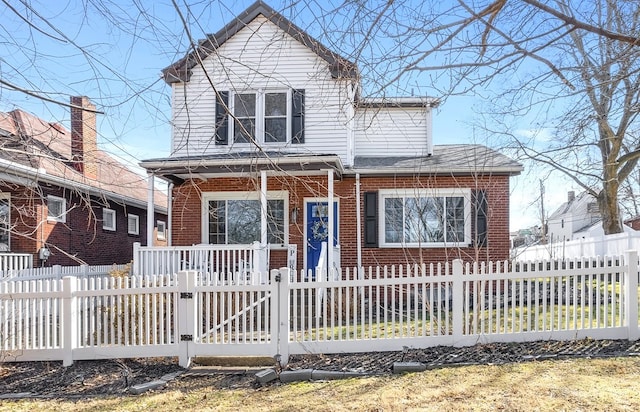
pixel 245 130
pixel 217 232
pixel 275 104
pixel 275 130
pixel 393 220
pixel 4 224
pixel 275 221
pixel 243 223
pixel 245 105
pixel 423 220
pixel 455 219
pixel 55 208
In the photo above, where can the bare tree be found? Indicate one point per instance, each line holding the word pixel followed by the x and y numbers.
pixel 562 66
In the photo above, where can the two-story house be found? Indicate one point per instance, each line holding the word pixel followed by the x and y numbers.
pixel 63 199
pixel 270 128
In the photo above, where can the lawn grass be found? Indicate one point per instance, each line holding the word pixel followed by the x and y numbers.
pixel 577 384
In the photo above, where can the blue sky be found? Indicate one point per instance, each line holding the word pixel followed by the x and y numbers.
pixel 71 48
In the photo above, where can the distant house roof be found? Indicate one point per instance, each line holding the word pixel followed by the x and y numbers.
pixel 574 204
pixel 180 71
pixel 41 151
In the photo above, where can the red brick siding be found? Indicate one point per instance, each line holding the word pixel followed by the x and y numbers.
pixel 187 214
pixel 81 236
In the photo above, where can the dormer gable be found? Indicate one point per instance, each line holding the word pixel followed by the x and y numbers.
pixel 181 71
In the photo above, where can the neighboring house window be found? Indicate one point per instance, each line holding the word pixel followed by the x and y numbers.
pixel 235 218
pixel 272 117
pixel 56 209
pixel 133 224
pixel 162 230
pixel 5 222
pixel 424 217
pixel 108 219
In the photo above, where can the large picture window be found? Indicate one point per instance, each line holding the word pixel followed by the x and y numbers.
pixel 426 218
pixel 235 218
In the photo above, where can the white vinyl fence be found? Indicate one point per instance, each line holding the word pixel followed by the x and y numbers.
pixel 193 313
pixel 15 261
pixel 228 259
pixel 58 272
pixel 607 245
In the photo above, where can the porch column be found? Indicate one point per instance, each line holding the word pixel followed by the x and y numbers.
pixel 263 209
pixel 331 222
pixel 150 210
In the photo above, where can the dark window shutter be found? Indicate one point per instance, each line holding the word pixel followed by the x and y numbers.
pixel 297 117
pixel 371 219
pixel 222 120
pixel 481 209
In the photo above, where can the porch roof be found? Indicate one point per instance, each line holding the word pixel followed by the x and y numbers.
pixel 445 160
pixel 179 169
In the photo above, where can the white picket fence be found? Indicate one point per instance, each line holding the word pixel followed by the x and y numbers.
pixel 58 272
pixel 15 261
pixel 191 313
pixel 607 245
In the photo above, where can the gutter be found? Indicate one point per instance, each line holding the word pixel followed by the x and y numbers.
pixel 41 176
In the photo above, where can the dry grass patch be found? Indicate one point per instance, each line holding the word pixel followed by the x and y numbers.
pixel 572 385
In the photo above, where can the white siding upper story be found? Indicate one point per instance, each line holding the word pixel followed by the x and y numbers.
pixel 395 131
pixel 262 58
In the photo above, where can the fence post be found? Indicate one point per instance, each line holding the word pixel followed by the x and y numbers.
pixel 135 266
pixel 282 310
pixel 631 302
pixel 69 317
pixel 57 271
pixel 186 315
pixel 457 302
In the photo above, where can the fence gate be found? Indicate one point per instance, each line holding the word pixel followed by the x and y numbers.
pixel 234 315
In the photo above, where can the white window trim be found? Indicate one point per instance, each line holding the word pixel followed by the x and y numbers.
pixel 7 196
pixel 259 126
pixel 271 195
pixel 136 218
pixel 63 215
pixel 161 234
pixel 452 192
pixel 105 212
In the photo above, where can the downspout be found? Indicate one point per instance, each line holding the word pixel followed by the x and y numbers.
pixel 331 222
pixel 150 210
pixel 358 228
pixel 169 215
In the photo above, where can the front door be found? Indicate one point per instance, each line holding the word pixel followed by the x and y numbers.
pixel 317 231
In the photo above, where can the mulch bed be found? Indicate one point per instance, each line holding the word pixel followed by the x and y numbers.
pixel 114 377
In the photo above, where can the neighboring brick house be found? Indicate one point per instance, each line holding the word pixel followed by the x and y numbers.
pixel 269 126
pixel 60 194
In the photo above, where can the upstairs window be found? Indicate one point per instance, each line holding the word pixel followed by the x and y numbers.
pixel 244 106
pixel 264 117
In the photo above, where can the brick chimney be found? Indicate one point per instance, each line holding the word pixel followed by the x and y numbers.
pixel 571 196
pixel 84 136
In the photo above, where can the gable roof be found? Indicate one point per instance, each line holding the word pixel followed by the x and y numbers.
pixel 577 204
pixel 40 151
pixel 180 71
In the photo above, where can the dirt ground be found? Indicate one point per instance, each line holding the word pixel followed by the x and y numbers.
pixel 115 377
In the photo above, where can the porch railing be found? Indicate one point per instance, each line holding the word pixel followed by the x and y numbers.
pixel 210 260
pixel 15 261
